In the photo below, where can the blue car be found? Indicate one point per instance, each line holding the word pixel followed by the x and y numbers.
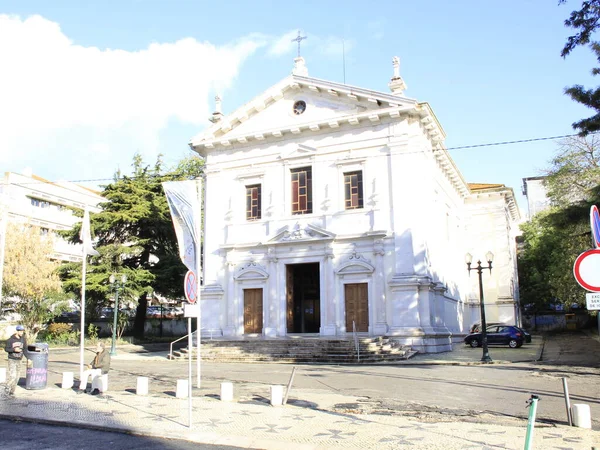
pixel 509 335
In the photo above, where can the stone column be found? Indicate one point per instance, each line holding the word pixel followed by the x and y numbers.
pixel 271 303
pixel 230 303
pixel 379 298
pixel 329 329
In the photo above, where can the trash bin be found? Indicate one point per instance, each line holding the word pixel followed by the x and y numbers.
pixel 36 376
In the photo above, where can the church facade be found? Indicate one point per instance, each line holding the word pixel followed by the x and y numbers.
pixel 332 210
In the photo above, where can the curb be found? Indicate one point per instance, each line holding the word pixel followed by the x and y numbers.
pixel 540 354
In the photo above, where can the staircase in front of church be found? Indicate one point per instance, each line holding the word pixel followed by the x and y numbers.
pixel 310 350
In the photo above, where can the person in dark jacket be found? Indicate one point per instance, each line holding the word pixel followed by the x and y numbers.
pixel 100 365
pixel 15 347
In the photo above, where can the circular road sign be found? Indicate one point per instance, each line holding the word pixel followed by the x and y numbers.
pixel 190 288
pixel 587 270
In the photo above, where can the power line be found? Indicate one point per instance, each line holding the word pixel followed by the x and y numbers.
pixel 463 147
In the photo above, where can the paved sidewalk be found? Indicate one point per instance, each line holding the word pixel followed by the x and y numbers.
pixel 253 423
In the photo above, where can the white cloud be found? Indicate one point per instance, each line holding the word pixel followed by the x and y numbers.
pixel 62 102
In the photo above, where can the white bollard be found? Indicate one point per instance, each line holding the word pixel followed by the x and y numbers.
pixel 2 375
pixel 276 395
pixel 182 389
pixel 581 415
pixel 100 382
pixel 142 386
pixel 226 392
pixel 67 380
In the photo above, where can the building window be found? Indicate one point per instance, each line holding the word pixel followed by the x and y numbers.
pixel 302 190
pixel 253 202
pixel 353 190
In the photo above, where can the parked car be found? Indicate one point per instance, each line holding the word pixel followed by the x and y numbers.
pixel 476 328
pixel 498 335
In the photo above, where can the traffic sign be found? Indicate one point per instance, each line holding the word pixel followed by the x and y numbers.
pixel 587 270
pixel 190 287
pixel 595 225
pixel 593 301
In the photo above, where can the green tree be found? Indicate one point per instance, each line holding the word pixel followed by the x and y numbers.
pixel 135 237
pixel 575 170
pixel 30 276
pixel 552 240
pixel 586 22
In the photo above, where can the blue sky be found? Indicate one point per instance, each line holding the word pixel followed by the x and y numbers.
pixel 84 85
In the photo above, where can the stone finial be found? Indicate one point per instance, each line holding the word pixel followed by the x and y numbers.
pixel 397 84
pixel 218 114
pixel 396 64
pixel 300 67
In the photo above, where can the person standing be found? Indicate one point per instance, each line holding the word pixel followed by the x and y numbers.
pixel 100 365
pixel 15 347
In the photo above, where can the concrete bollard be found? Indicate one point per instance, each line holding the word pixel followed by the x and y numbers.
pixel 582 417
pixel 182 389
pixel 226 392
pixel 142 386
pixel 276 395
pixel 2 375
pixel 101 383
pixel 67 380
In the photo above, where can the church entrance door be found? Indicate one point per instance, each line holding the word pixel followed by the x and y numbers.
pixel 303 298
pixel 357 307
pixel 253 311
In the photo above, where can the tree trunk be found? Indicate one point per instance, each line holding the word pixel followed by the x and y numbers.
pixel 140 317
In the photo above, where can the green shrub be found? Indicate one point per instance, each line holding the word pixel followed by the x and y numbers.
pixel 59 333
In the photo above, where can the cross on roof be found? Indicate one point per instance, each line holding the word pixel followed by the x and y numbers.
pixel 298 39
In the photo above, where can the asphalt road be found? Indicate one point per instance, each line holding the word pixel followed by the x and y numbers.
pixel 28 436
pixel 417 390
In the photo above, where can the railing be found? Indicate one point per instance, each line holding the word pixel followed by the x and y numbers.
pixel 356 343
pixel 177 340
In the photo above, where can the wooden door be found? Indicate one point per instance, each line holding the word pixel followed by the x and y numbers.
pixel 357 306
pixel 253 311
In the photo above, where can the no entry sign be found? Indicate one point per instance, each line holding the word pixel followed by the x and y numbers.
pixel 190 288
pixel 587 270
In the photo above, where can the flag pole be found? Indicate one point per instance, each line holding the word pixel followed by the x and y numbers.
pixel 199 189
pixel 82 311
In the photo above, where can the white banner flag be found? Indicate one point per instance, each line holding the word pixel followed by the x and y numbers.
pixel 183 198
pixel 86 236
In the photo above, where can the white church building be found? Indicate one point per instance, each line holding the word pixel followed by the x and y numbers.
pixel 332 209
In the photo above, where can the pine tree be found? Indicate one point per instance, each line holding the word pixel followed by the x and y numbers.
pixel 135 237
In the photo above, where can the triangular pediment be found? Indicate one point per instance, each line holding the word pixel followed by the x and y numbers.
pixel 302 104
pixel 300 233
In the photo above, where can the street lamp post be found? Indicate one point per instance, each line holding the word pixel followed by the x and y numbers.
pixel 479 268
pixel 116 286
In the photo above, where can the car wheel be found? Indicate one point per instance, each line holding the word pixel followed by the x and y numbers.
pixel 513 343
pixel 474 343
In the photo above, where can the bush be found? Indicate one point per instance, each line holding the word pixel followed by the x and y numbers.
pixel 59 333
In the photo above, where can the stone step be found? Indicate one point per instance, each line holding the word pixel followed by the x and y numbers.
pixel 371 350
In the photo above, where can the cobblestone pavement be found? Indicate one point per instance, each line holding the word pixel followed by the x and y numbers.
pixel 253 423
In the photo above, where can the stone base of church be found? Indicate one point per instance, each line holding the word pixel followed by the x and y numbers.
pixel 430 340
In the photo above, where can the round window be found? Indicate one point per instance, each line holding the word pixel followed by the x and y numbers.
pixel 299 107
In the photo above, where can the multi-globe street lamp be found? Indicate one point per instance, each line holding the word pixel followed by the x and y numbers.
pixel 116 286
pixel 479 268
